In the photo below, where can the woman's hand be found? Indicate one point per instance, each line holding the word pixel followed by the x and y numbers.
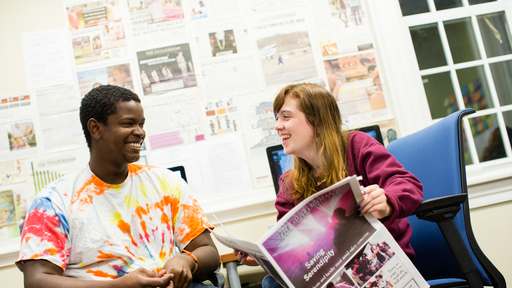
pixel 375 202
pixel 244 258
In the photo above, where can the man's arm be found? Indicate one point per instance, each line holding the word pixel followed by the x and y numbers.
pixel 181 266
pixel 42 273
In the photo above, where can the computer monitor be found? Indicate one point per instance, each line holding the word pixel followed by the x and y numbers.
pixel 280 162
pixel 373 131
pixel 180 170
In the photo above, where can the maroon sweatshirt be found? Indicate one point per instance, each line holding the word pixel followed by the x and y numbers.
pixel 369 159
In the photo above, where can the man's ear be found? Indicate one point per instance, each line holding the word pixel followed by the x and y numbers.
pixel 94 128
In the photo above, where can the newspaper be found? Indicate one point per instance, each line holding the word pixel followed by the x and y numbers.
pixel 323 242
pixel 97 30
pixel 284 46
pixel 155 22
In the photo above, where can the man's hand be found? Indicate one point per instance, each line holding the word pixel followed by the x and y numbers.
pixel 181 266
pixel 178 267
pixel 144 278
pixel 42 273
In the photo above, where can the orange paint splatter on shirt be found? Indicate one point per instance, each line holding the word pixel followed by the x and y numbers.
pixel 141 211
pixel 190 213
pixel 107 256
pixel 93 186
pixel 99 273
pixel 135 169
pixel 126 229
pixel 51 251
pixel 162 255
pixel 35 256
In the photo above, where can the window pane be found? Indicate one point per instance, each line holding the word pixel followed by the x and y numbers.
pixel 440 95
pixel 428 47
pixel 502 73
pixel 411 7
pixel 474 88
pixel 473 2
pixel 487 137
pixel 447 4
pixel 461 38
pixel 495 34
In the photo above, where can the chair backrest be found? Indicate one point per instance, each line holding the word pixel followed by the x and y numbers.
pixel 435 155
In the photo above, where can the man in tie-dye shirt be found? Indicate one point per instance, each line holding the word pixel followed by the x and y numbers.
pixel 136 225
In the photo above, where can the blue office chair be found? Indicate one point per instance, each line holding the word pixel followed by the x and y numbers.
pixel 447 254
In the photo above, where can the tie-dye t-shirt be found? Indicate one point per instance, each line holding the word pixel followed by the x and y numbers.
pixel 94 230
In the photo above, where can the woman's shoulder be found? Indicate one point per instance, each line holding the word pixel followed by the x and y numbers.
pixel 360 139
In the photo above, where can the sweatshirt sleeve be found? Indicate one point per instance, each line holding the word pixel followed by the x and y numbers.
pixel 376 165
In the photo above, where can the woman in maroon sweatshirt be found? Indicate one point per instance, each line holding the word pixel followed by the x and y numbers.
pixel 310 126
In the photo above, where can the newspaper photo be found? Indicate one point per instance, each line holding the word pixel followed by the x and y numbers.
pixel 166 68
pixel 284 46
pixel 221 117
pixel 17 133
pixel 8 222
pixel 355 82
pixel 323 242
pixel 97 30
pixel 348 26
pixel 118 75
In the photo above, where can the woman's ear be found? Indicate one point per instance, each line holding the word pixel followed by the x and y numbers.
pixel 94 128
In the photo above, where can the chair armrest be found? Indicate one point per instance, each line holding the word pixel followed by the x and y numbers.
pixel 219 279
pixel 437 209
pixel 216 278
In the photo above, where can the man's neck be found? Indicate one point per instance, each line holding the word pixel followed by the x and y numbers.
pixel 108 172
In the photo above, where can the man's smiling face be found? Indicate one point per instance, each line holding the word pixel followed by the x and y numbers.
pixel 123 134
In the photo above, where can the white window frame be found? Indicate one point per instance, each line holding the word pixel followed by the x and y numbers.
pixel 403 76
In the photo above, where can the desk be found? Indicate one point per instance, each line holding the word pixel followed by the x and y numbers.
pixel 230 263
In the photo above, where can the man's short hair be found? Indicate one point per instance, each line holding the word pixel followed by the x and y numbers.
pixel 100 102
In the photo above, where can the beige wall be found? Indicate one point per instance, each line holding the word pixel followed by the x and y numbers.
pixel 492 226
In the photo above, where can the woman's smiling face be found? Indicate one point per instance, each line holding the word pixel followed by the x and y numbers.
pixel 297 135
